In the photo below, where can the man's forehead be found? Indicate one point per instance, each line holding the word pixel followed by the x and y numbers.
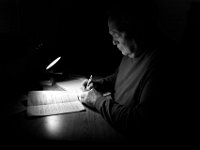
pixel 111 25
pixel 112 28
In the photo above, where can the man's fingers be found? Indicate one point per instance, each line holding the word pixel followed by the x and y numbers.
pixel 89 87
pixel 84 85
pixel 84 82
pixel 82 96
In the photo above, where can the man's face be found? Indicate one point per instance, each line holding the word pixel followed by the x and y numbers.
pixel 125 46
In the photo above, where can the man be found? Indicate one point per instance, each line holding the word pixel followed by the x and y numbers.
pixel 139 104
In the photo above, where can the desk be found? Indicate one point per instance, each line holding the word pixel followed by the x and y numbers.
pixel 80 126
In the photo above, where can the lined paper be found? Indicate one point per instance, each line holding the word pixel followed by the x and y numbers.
pixel 52 102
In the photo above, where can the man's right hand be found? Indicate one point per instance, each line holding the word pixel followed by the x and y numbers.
pixel 86 86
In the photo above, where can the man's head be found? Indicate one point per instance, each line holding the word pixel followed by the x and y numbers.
pixel 123 39
pixel 132 26
pixel 126 46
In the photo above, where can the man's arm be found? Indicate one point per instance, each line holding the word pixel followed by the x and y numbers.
pixel 133 119
pixel 105 84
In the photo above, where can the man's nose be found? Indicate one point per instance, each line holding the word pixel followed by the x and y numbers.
pixel 115 42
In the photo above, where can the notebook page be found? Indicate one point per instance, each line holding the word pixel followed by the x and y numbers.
pixel 43 110
pixel 50 97
pixel 42 103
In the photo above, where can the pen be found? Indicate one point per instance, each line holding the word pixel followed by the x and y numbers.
pixel 90 79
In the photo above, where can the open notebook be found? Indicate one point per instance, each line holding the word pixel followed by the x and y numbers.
pixel 41 103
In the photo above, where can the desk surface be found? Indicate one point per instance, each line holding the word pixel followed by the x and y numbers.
pixel 79 126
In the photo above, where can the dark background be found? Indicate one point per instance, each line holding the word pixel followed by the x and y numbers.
pixel 77 31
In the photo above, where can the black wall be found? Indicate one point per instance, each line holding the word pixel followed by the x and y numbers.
pixel 75 30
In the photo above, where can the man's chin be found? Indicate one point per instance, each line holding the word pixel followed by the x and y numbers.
pixel 132 55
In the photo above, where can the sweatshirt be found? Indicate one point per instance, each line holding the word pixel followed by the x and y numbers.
pixel 137 104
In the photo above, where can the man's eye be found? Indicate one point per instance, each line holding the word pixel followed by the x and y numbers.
pixel 115 42
pixel 116 36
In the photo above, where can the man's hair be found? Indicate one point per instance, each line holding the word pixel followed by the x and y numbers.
pixel 136 19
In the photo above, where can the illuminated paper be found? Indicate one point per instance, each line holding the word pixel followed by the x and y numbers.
pixel 72 86
pixel 41 103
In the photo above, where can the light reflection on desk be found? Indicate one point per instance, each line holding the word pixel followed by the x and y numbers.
pixel 70 127
pixel 53 125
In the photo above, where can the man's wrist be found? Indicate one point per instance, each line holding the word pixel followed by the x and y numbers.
pixel 99 102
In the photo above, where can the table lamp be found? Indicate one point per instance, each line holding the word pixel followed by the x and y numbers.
pixel 50 74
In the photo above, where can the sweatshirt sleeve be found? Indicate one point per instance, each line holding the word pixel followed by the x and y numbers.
pixel 131 119
pixel 105 84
